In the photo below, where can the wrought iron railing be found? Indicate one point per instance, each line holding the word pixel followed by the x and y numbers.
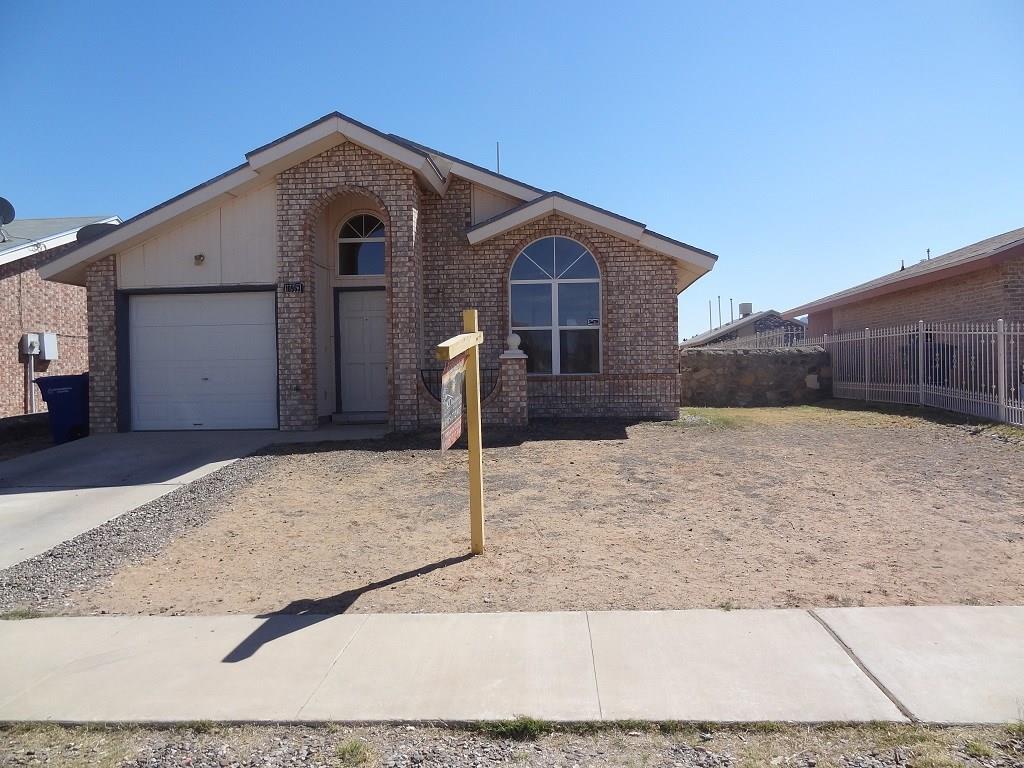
pixel 432 381
pixel 973 368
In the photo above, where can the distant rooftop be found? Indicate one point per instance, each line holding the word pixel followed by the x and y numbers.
pixel 23 237
pixel 730 327
pixel 924 270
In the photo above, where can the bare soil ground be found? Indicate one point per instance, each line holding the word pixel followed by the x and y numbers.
pixel 205 745
pixel 773 507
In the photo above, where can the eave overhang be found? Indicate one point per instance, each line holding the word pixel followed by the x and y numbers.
pixel 691 262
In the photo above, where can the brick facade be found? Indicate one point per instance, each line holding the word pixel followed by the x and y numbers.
pixel 638 303
pixel 101 286
pixel 986 295
pixel 432 273
pixel 303 193
pixel 30 304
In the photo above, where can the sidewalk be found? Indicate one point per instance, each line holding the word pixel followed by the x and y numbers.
pixel 937 664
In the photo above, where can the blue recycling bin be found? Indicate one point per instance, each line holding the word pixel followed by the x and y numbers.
pixel 67 398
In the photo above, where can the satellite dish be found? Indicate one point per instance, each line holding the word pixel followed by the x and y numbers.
pixel 6 211
pixel 92 231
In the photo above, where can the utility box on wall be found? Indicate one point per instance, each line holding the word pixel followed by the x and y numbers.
pixel 48 346
pixel 30 344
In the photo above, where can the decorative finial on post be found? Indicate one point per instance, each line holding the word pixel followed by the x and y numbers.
pixel 512 346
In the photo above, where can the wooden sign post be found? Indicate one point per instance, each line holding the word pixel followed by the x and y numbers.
pixel 462 354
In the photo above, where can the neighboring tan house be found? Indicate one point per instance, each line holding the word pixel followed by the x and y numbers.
pixel 29 304
pixel 749 323
pixel 314 280
pixel 980 282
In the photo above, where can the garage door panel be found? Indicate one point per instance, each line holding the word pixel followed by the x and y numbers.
pixel 202 343
pixel 203 414
pixel 247 378
pixel 197 309
pixel 203 361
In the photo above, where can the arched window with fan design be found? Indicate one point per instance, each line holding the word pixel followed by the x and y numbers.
pixel 361 246
pixel 555 306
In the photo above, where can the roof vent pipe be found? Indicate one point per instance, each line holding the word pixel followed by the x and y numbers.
pixel 746 309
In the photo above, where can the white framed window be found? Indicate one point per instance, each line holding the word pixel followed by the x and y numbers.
pixel 361 246
pixel 555 306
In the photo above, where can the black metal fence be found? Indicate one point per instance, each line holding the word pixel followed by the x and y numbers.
pixel 432 381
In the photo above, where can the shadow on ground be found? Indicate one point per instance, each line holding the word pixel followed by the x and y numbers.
pixel 494 437
pixel 300 614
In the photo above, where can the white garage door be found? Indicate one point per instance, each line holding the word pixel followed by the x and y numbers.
pixel 203 361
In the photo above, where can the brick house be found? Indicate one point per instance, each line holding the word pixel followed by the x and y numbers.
pixel 29 304
pixel 312 282
pixel 979 282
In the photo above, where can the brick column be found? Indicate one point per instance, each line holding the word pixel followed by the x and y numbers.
pixel 515 410
pixel 100 284
pixel 296 312
pixel 406 297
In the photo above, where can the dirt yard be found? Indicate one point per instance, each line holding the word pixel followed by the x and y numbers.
pixel 807 506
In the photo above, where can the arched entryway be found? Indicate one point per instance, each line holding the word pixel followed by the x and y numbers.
pixel 314 200
pixel 352 264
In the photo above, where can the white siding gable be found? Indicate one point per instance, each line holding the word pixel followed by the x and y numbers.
pixel 487 203
pixel 237 240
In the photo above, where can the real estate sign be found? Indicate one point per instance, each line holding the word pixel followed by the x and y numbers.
pixel 452 380
pixel 461 355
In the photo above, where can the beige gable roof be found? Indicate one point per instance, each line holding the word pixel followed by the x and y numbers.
pixel 434 170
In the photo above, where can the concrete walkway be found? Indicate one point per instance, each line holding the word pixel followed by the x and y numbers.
pixel 942 664
pixel 53 495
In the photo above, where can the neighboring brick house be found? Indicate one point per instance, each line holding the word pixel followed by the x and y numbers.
pixel 979 282
pixel 313 281
pixel 750 324
pixel 29 304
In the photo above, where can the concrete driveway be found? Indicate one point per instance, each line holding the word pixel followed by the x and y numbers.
pixel 53 495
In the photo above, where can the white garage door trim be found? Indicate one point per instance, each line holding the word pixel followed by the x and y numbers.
pixel 203 360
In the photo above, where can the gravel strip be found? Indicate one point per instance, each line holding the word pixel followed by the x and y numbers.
pixel 385 746
pixel 43 583
pixel 407 746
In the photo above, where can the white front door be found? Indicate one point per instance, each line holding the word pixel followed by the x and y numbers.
pixel 203 361
pixel 362 352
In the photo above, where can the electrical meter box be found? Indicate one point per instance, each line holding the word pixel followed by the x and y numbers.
pixel 30 344
pixel 48 346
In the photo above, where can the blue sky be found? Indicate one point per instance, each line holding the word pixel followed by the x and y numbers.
pixel 811 145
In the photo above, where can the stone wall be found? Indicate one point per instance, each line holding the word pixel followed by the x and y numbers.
pixel 753 377
pixel 29 304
